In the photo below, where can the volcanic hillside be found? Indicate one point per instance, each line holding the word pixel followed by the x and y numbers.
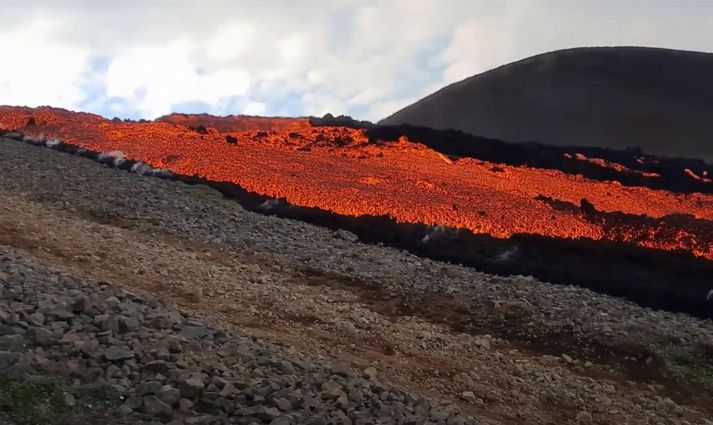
pixel 616 97
pixel 389 187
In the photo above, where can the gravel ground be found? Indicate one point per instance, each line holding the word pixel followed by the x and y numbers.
pixel 556 349
pixel 156 363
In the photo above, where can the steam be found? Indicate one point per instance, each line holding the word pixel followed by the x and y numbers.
pixel 269 204
pixel 40 138
pixel 507 254
pixel 143 169
pixel 113 155
pixel 53 143
pixel 710 295
pixel 115 158
pixel 436 232
pixel 118 161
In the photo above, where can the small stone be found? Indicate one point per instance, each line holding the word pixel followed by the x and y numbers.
pixel 69 400
pixel 343 402
pixel 269 414
pixel 342 368
pixel 588 364
pixel 584 417
pixel 346 235
pixel 59 312
pixel 347 328
pixel 128 324
pixel 155 407
pixel 356 395
pixel 113 302
pixel 7 359
pixel 12 342
pixel 484 341
pixel 134 402
pixel 79 305
pixel 191 388
pixel 117 353
pixel 333 393
pixel 109 323
pixel 370 372
pixel 194 332
pixel 42 337
pixel 7 330
pixel 282 420
pixel 174 346
pixel 123 410
pixel 148 388
pixel 567 358
pixel 198 420
pixel 282 404
pixel 162 353
pixel 158 366
pixel 169 395
pixel 43 409
pixel 185 405
pixel 228 390
pixel 36 319
pixel 469 396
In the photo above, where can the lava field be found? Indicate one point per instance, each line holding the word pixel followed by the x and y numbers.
pixel 620 222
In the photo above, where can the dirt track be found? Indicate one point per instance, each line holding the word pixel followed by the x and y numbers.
pixel 435 343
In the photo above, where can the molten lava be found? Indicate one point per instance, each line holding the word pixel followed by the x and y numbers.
pixel 339 169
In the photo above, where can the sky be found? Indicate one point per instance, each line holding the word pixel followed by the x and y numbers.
pixel 148 58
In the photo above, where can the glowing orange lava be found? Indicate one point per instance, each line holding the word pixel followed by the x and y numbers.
pixel 339 170
pixel 613 165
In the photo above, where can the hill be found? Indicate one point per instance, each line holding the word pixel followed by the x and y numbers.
pixel 614 97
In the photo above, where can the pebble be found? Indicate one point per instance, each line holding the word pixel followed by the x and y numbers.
pixel 469 396
pixel 117 353
pixel 370 372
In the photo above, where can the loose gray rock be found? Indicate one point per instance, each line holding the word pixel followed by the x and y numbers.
pixel 191 388
pixel 342 368
pixel 128 324
pixel 123 410
pixel 13 343
pixel 148 388
pixel 169 395
pixel 370 372
pixel 42 337
pixel 7 330
pixel 69 400
pixel 155 407
pixel 8 359
pixel 346 235
pixel 117 353
pixel 469 396
pixel 193 332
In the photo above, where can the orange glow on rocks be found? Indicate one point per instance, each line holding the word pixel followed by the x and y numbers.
pixel 339 170
pixel 613 165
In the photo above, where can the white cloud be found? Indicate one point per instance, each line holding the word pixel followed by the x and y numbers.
pixel 359 57
pixel 255 108
pixel 154 78
pixel 524 29
pixel 38 70
pixel 231 41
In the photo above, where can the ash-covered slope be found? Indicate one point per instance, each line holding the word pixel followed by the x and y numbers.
pixel 615 97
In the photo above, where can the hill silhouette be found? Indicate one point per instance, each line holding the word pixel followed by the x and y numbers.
pixel 660 100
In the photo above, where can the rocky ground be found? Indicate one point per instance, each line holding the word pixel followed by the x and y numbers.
pixel 154 300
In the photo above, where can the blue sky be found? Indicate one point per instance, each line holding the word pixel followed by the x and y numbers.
pixel 143 59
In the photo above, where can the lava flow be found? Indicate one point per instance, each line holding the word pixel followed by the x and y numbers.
pixel 344 171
